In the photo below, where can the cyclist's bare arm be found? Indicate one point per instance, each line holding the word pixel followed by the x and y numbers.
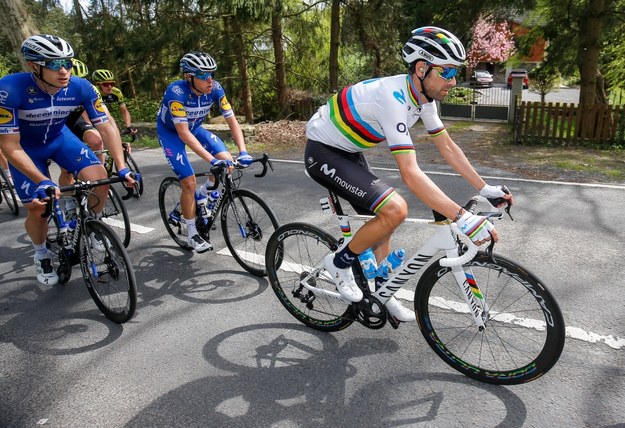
pixel 189 139
pixel 237 133
pixel 125 115
pixel 456 158
pixel 423 187
pixel 113 141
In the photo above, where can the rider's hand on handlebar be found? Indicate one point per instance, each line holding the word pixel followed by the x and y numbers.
pixel 498 196
pixel 478 228
pixel 40 191
pixel 127 175
pixel 218 162
pixel 244 159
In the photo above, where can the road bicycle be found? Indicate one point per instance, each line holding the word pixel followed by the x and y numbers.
pixel 482 313
pixel 247 221
pixel 115 213
pixel 103 260
pixel 128 137
pixel 7 193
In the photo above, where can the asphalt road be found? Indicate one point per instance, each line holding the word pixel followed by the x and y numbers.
pixel 211 346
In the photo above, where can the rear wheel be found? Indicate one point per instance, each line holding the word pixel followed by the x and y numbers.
pixel 171 213
pixel 107 271
pixel 8 193
pixel 524 329
pixel 247 223
pixel 294 253
pixel 116 216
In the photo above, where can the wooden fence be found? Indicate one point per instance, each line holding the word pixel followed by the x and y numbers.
pixel 569 124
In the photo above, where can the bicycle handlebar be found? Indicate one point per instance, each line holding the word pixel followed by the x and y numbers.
pixel 217 170
pixel 129 131
pixel 467 256
pixel 81 185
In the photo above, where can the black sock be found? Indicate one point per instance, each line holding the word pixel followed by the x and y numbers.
pixel 345 258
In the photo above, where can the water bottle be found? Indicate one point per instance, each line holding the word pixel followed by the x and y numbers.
pixel 369 264
pixel 212 198
pixel 201 201
pixel 393 261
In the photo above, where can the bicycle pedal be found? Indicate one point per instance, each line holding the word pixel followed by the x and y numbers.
pixel 394 322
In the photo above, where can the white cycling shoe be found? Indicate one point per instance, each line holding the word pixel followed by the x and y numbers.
pixel 46 274
pixel 343 280
pixel 96 242
pixel 399 311
pixel 197 243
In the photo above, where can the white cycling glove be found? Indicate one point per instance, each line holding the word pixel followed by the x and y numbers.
pixel 489 191
pixel 474 226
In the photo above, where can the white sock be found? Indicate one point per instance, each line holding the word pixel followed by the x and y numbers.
pixel 191 228
pixel 41 251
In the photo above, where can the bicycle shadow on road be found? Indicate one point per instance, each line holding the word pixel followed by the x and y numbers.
pixel 289 375
pixel 195 278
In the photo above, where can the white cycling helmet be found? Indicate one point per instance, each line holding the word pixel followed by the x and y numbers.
pixel 43 47
pixel 197 61
pixel 434 45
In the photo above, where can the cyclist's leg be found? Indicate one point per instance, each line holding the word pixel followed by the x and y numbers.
pixel 213 145
pixel 348 175
pixel 79 160
pixel 35 225
pixel 176 155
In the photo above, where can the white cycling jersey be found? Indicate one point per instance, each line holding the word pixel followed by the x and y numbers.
pixel 363 115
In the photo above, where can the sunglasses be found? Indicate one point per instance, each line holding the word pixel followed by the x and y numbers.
pixel 446 73
pixel 107 84
pixel 56 64
pixel 203 75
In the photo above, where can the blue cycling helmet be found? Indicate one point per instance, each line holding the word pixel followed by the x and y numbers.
pixel 196 61
pixel 43 47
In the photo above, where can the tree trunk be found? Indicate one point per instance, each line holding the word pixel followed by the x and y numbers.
pixel 589 49
pixel 246 93
pixel 80 20
pixel 335 33
pixel 278 51
pixel 16 24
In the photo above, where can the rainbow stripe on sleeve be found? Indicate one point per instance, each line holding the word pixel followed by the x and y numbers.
pixel 345 117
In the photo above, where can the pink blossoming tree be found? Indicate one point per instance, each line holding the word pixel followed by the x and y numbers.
pixel 491 42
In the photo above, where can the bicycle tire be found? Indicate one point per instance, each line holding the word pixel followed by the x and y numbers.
pixel 291 252
pixel 513 348
pixel 8 193
pixel 247 235
pixel 109 275
pixel 169 200
pixel 116 216
pixel 132 166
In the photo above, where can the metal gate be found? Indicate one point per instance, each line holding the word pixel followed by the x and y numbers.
pixel 479 104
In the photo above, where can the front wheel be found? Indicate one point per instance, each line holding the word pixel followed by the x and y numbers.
pixel 524 329
pixel 8 193
pixel 295 253
pixel 247 223
pixel 107 272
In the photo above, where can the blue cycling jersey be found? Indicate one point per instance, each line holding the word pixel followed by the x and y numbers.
pixel 181 105
pixel 38 116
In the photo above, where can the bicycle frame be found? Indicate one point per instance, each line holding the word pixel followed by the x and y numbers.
pixel 447 239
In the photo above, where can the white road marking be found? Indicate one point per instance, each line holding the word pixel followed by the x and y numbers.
pixel 613 342
pixel 133 227
pixel 527 180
